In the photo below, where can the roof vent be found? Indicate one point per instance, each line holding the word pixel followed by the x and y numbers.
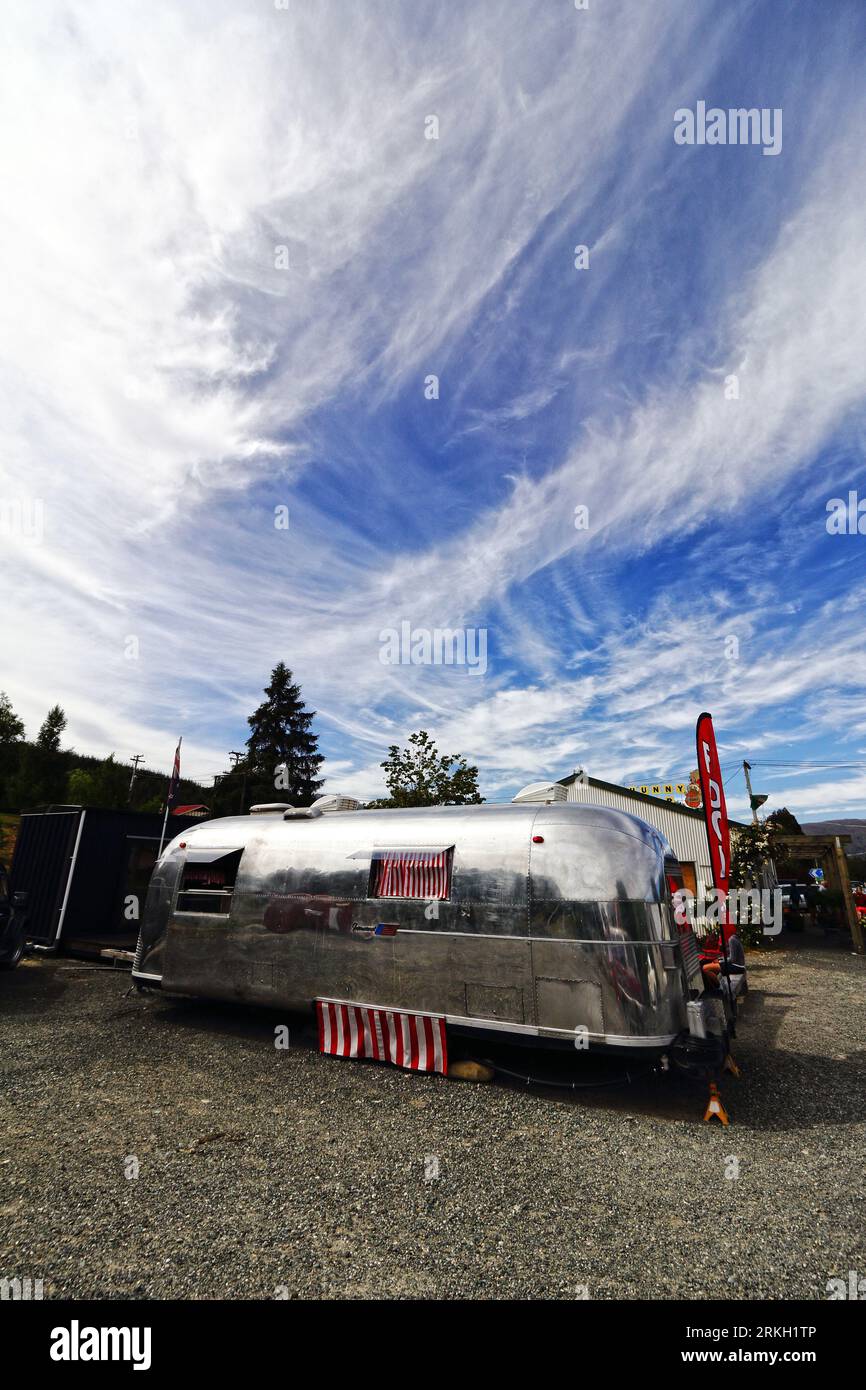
pixel 302 812
pixel 544 792
pixel 271 808
pixel 335 801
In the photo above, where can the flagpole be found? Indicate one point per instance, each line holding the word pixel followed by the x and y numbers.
pixel 171 793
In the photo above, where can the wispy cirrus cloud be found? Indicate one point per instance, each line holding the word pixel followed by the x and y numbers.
pixel 166 385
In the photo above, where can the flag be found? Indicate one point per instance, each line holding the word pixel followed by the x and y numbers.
pixel 414 1041
pixel 715 810
pixel 715 813
pixel 175 776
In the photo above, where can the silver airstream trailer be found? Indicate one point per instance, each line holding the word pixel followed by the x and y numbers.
pixel 531 920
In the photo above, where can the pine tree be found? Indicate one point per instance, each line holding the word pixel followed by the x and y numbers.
pixel 282 753
pixel 41 773
pixel 52 727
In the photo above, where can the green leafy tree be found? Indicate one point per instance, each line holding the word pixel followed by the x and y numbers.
pixel 53 725
pixel 420 775
pixel 104 785
pixel 282 759
pixel 11 727
pixel 753 849
pixel 228 790
pixel 783 822
pixel 12 748
pixel 40 779
pixel 34 774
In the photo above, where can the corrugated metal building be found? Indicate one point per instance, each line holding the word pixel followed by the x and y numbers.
pixel 684 829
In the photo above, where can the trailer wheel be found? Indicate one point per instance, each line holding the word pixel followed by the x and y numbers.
pixel 13 944
pixel 12 955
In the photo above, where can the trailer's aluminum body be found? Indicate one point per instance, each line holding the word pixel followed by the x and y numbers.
pixel 558 919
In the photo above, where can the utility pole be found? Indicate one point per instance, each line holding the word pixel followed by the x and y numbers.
pixel 754 801
pixel 747 767
pixel 138 758
pixel 236 758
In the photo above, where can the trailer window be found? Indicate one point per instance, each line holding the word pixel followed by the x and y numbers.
pixel 208 884
pixel 411 873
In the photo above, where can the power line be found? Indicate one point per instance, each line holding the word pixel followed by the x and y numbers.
pixel 789 770
pixel 779 765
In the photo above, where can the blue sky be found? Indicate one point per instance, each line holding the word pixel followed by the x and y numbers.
pixel 166 384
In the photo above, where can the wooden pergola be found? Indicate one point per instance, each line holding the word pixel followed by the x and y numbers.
pixel 828 849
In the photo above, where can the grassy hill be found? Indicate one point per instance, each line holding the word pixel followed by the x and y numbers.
pixel 31 776
pixel 853 827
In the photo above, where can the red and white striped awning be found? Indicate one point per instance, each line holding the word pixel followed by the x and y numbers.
pixel 411 873
pixel 415 1041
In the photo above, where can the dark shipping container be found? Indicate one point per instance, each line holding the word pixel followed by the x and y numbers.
pixel 86 873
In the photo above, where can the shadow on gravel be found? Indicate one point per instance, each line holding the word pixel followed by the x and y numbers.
pixel 228 1020
pixel 29 989
pixel 602 1083
pixel 777 1091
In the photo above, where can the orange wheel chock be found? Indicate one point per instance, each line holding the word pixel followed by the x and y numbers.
pixel 731 1066
pixel 715 1107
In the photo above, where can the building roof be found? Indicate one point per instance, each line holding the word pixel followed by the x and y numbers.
pixel 641 797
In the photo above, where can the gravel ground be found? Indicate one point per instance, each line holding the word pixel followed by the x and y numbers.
pixel 268 1173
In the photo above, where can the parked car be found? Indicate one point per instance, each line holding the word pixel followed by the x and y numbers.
pixel 13 918
pixel 794 905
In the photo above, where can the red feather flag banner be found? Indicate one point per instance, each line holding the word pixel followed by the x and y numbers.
pixel 417 1042
pixel 715 810
pixel 715 813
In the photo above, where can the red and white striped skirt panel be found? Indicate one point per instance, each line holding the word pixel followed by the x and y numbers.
pixel 415 1041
